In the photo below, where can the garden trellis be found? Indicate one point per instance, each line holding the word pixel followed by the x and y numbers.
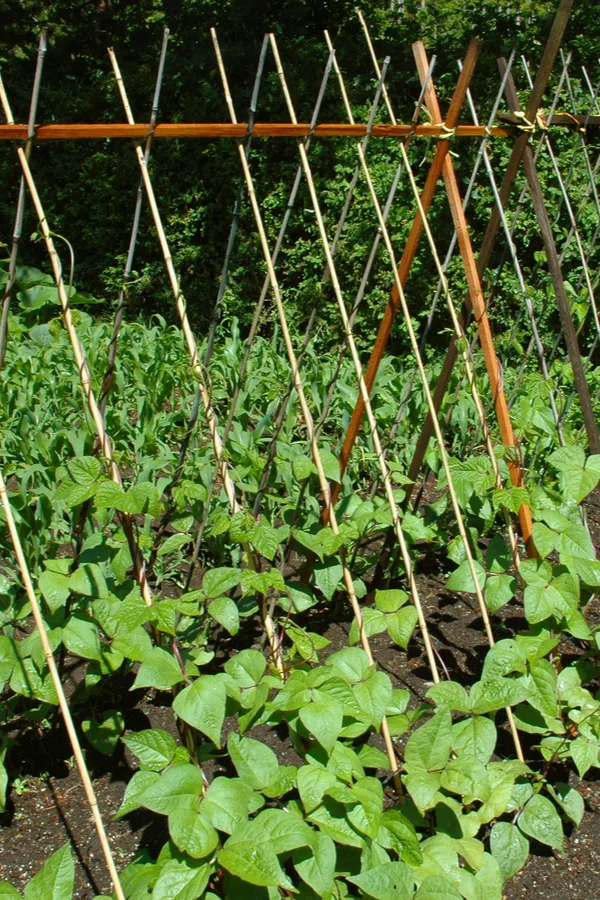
pixel 531 132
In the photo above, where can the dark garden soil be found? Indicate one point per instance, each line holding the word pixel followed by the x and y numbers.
pixel 47 805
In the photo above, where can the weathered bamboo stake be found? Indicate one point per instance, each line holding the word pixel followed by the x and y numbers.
pixel 591 189
pixel 62 700
pixel 256 321
pixel 431 100
pixel 18 226
pixel 196 365
pixel 557 280
pixel 594 95
pixel 572 219
pixel 551 49
pixel 216 318
pixel 123 294
pixel 409 253
pixel 237 210
pixel 79 354
pixel 302 398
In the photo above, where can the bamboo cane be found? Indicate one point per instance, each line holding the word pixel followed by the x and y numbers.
pixel 196 365
pixel 348 581
pixel 62 700
pixel 79 354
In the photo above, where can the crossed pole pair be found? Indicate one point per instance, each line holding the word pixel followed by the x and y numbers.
pixel 475 303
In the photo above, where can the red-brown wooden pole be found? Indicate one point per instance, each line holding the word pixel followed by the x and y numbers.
pixel 408 255
pixel 477 302
pixel 489 239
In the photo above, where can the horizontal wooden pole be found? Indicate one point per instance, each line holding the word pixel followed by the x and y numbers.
pixel 64 132
pixel 225 130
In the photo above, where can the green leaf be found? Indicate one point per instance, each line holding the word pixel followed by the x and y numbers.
pixel 499 590
pixel 255 763
pixel 462 578
pixel 286 830
pixel 569 800
pixel 391 881
pixel 227 803
pixel 8 892
pixel 374 622
pixel 475 736
pixel 104 734
pixel 143 498
pixel 81 638
pixel 153 747
pixel 218 581
pixel 436 888
pixel 56 878
pixel 509 848
pixel 324 721
pixel 584 754
pixel 89 581
pixel 374 696
pixel 173 543
pixel 316 864
pixel 497 692
pixel 567 458
pixel 423 787
pixel 225 612
pixel 428 748
pixel 331 466
pixel 365 815
pixel 247 667
pixel 313 784
pixel 330 817
pixel 54 588
pixel 136 788
pixel 265 539
pixel 327 577
pixel 178 880
pixel 202 705
pixel 450 695
pixel 468 777
pixel 192 834
pixel 180 787
pixel 84 469
pixel 541 821
pixel 249 855
pixel 302 467
pixel 397 833
pixel 401 624
pixel 159 670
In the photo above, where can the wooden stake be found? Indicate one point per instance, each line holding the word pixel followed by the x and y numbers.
pixel 62 700
pixel 408 256
pixel 478 305
pixel 495 221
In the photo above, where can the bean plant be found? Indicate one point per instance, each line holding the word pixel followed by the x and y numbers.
pixel 333 824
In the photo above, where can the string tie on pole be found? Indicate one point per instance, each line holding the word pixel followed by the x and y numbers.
pixel 447 133
pixel 580 126
pixel 525 125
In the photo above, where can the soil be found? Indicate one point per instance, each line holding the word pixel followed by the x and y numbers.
pixel 47 806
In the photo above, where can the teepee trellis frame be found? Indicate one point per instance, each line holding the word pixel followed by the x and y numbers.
pixel 520 126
